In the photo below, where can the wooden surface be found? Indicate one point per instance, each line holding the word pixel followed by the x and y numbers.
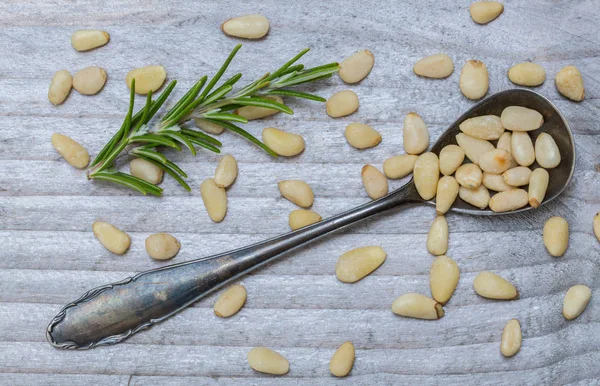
pixel 49 255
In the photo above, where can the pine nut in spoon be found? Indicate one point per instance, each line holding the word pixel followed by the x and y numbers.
pixel 208 272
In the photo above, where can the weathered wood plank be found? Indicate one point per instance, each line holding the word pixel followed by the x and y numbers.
pixel 310 362
pixel 301 327
pixel 313 291
pixel 62 379
pixel 406 253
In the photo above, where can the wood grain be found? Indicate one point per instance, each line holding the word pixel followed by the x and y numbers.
pixel 49 255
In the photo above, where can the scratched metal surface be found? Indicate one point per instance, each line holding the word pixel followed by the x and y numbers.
pixel 49 255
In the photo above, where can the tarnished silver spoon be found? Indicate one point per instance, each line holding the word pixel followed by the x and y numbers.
pixel 113 312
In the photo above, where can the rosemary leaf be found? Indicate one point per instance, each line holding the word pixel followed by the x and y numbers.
pixel 160 100
pixel 310 75
pixel 149 153
pixel 201 136
pixel 297 94
pixel 233 80
pixel 205 145
pixel 172 174
pixel 263 102
pixel 288 64
pixel 185 100
pixel 180 138
pixel 217 94
pixel 156 139
pixel 245 134
pixel 219 73
pixel 244 90
pixel 294 68
pixel 142 121
pixel 127 124
pixel 129 181
pixel 225 117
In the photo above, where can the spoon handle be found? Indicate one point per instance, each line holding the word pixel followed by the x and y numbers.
pixel 111 313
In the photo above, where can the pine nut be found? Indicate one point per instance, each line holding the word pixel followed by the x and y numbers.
pixel 342 361
pixel 254 112
pixel 358 263
pixel 511 338
pixel 495 161
pixel 415 133
pixel 297 191
pixel 426 175
pixel 443 278
pixel 283 143
pixel 596 225
pixel 374 181
pixel 576 300
pixel 495 182
pixel 556 236
pixel 209 127
pixel 473 147
pixel 447 191
pixel 435 66
pixel 469 176
pixel 226 172
pixel 538 184
pixel 474 81
pixel 517 118
pixel 482 12
pixel 71 151
pixel 488 127
pixel 437 238
pixel 362 136
pixel 60 87
pixel 85 40
pixel 491 286
pixel 162 246
pixel 418 306
pixel 478 197
pixel 522 148
pixel 90 80
pixel 509 200
pixel 451 157
pixel 147 79
pixel 505 142
pixel 399 166
pixel 268 361
pixel 231 301
pixel 527 74
pixel 546 151
pixel 301 218
pixel 146 170
pixel 111 238
pixel 518 176
pixel 357 66
pixel 215 200
pixel 247 26
pixel 342 103
pixel 569 83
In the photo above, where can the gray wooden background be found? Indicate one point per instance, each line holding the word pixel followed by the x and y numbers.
pixel 49 256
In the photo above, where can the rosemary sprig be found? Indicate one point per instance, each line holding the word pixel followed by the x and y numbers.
pixel 204 100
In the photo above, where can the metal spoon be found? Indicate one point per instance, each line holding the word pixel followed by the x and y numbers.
pixel 113 312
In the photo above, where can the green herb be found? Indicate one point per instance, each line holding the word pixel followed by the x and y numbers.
pixel 202 101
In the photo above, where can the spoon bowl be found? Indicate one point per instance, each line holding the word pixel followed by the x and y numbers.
pixel 113 312
pixel 554 124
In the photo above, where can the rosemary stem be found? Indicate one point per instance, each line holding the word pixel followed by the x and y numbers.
pixel 111 158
